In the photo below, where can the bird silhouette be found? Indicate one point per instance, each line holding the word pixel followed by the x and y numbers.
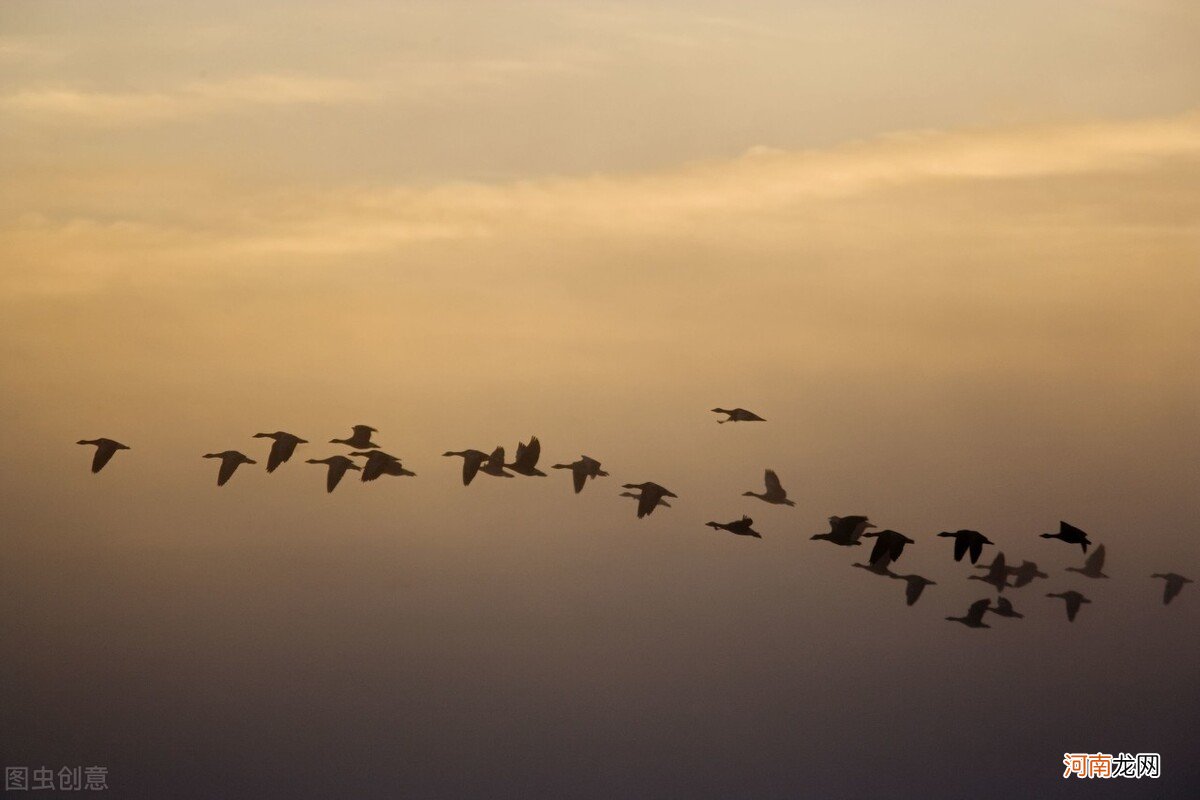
pixel 282 448
pixel 527 457
pixel 888 543
pixel 1074 600
pixel 1025 574
pixel 974 617
pixel 741 527
pixel 775 492
pixel 661 502
pixel 583 469
pixel 1004 608
pixel 105 449
pixel 878 568
pixel 1069 534
pixel 1092 565
pixel 651 494
pixel 379 463
pixel 472 461
pixel 494 465
pixel 915 585
pixel 845 531
pixel 997 574
pixel 1174 585
pixel 737 415
pixel 337 468
pixel 967 541
pixel 360 439
pixel 230 461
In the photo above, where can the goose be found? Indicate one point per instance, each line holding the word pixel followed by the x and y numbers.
pixel 845 531
pixel 581 470
pixel 878 567
pixel 915 584
pixel 230 461
pixel 337 468
pixel 775 492
pixel 1074 600
pixel 1025 574
pixel 380 463
pixel 741 527
pixel 1092 565
pixel 472 461
pixel 663 503
pixel 105 449
pixel 737 415
pixel 494 465
pixel 527 457
pixel 651 494
pixel 888 543
pixel 1174 585
pixel 282 449
pixel 1069 534
pixel 974 617
pixel 1004 608
pixel 965 541
pixel 997 574
pixel 360 439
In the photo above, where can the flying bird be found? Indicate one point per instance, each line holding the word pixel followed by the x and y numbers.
pixel 105 449
pixel 997 574
pixel 583 469
pixel 965 541
pixel 230 461
pixel 472 461
pixel 845 531
pixel 337 468
pixel 1024 574
pixel 1004 608
pixel 1074 600
pixel 663 503
pixel 360 439
pixel 1174 585
pixel 527 457
pixel 379 463
pixel 282 449
pixel 737 415
pixel 1092 565
pixel 889 544
pixel 915 585
pixel 974 617
pixel 651 494
pixel 1069 534
pixel 775 492
pixel 494 465
pixel 741 527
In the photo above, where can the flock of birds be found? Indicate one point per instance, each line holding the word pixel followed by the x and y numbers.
pixel 846 531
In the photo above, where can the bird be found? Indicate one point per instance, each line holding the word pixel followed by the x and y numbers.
pixel 997 574
pixel 527 457
pixel 1174 585
pixel 879 568
pixel 380 463
pixel 1004 608
pixel 915 585
pixel 775 492
pixel 583 469
pixel 1074 600
pixel 1069 534
pixel 1024 574
pixel 230 461
pixel 472 461
pixel 337 468
pixel 974 617
pixel 651 494
pixel 845 531
pixel 1092 565
pixel 663 503
pixel 105 449
pixel 494 465
pixel 360 439
pixel 282 449
pixel 741 527
pixel 964 541
pixel 737 415
pixel 889 544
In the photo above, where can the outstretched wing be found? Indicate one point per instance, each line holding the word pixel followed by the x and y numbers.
pixel 882 549
pixel 1173 588
pixel 960 548
pixel 977 549
pixel 281 451
pixel 228 467
pixel 647 501
pixel 579 476
pixel 975 612
pixel 104 453
pixel 1095 562
pixel 471 465
pixel 772 481
pixel 336 470
pixel 533 451
pixel 913 590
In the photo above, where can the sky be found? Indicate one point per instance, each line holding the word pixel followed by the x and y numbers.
pixel 949 251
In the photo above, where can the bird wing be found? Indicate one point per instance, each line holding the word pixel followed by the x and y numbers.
pixel 1004 604
pixel 977 549
pixel 975 612
pixel 336 470
pixel 1173 588
pixel 363 431
pixel 897 547
pixel 882 549
pixel 471 465
pixel 228 466
pixel 533 451
pixel 104 453
pixel 281 451
pixel 647 501
pixel 1072 607
pixel 998 572
pixel 772 481
pixel 579 475
pixel 1095 562
pixel 960 548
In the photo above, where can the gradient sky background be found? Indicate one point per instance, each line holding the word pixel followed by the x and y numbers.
pixel 950 251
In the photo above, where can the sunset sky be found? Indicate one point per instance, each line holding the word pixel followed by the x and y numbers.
pixel 951 252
